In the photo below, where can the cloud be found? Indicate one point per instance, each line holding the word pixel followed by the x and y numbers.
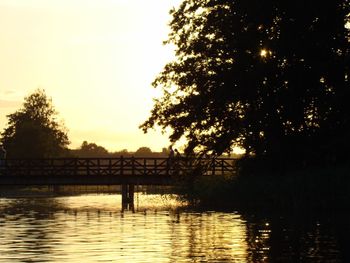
pixel 10 98
pixel 11 95
pixel 9 103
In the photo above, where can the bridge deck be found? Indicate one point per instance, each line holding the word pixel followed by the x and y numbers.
pixel 132 170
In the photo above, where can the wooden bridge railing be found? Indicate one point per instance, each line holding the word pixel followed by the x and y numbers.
pixel 115 166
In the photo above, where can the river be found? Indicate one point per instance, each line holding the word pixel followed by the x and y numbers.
pixel 93 228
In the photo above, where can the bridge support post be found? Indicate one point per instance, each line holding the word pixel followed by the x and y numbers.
pixel 56 189
pixel 128 191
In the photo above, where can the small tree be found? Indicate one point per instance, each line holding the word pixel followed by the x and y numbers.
pixel 143 151
pixel 33 131
pixel 92 150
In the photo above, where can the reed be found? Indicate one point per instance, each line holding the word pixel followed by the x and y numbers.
pixel 326 188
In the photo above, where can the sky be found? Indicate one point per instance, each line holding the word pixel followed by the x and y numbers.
pixel 96 59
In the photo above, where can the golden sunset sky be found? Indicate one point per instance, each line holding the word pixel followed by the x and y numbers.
pixel 95 58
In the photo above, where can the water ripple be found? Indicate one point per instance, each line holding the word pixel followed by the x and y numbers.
pixel 92 228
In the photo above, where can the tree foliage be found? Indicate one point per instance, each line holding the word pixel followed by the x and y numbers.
pixel 270 76
pixel 33 131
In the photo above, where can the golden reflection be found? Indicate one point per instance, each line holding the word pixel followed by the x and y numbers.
pixel 113 202
pixel 153 234
pixel 94 226
pixel 209 236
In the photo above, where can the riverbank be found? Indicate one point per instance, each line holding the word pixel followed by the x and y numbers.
pixel 321 189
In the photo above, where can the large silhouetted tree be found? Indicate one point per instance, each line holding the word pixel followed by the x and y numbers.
pixel 33 131
pixel 271 76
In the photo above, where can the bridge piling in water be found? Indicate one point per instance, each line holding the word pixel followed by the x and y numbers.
pixel 128 193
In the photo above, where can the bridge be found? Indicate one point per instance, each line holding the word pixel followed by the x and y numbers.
pixel 107 171
pixel 125 171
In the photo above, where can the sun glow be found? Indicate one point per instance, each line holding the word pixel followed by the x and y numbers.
pixel 96 59
pixel 264 53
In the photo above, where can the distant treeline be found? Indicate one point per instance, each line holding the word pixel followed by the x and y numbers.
pixel 93 150
pixel 87 150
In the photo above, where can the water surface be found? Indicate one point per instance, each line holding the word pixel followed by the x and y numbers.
pixel 92 228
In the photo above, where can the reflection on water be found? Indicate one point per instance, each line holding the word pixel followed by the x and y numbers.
pixel 92 228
